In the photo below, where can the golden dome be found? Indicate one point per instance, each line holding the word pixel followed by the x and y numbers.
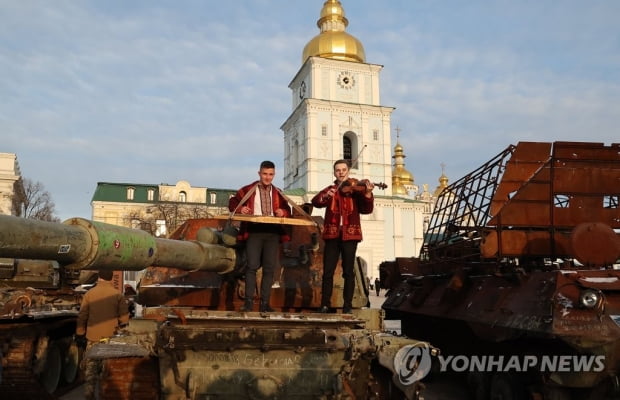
pixel 398 187
pixel 404 177
pixel 333 41
pixel 443 183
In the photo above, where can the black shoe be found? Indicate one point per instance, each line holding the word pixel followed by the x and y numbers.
pixel 266 308
pixel 324 309
pixel 347 310
pixel 247 306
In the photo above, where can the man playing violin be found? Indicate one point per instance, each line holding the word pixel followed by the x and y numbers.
pixel 342 230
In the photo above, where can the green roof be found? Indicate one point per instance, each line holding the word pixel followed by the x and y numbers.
pixel 117 192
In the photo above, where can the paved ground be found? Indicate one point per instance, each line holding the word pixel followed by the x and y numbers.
pixel 75 394
pixel 444 387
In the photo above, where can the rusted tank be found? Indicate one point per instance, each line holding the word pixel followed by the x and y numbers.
pixel 190 343
pixel 518 276
pixel 40 296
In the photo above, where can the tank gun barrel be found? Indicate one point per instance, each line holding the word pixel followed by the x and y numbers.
pixel 79 243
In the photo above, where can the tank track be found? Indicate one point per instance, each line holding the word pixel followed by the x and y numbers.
pixel 18 379
pixel 19 342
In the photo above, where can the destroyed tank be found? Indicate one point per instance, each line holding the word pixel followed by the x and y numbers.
pixel 188 342
pixel 40 291
pixel 517 281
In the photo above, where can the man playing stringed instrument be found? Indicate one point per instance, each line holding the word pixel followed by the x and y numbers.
pixel 342 230
pixel 262 239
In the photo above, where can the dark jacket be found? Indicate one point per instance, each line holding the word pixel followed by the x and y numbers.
pixel 102 310
pixel 349 206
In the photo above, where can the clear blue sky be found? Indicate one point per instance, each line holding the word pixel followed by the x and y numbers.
pixel 161 91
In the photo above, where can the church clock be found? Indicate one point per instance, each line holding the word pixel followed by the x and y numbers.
pixel 346 80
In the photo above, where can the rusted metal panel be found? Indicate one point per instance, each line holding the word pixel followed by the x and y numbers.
pixel 133 378
pixel 525 160
pixel 589 330
pixel 587 151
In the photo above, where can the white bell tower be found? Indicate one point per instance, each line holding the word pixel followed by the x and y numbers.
pixel 336 111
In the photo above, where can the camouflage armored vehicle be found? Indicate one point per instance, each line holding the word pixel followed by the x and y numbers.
pixel 190 343
pixel 520 264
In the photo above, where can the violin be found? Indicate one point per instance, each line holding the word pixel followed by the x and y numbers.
pixel 352 185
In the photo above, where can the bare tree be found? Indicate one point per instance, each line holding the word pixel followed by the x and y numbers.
pixel 172 214
pixel 34 202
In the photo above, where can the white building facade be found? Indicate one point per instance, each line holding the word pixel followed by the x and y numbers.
pixel 9 176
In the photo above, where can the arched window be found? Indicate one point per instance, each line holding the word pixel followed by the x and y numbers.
pixel 346 148
pixel 150 194
pixel 130 193
pixel 295 163
pixel 349 148
pixel 182 197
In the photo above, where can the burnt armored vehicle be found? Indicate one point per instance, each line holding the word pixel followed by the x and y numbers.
pixel 37 322
pixel 39 300
pixel 519 274
pixel 190 343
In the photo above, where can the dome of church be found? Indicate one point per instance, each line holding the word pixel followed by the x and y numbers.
pixel 397 187
pixel 333 41
pixel 443 183
pixel 404 177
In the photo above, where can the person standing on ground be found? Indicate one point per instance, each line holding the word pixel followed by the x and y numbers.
pixel 377 286
pixel 342 231
pixel 262 240
pixel 130 296
pixel 102 311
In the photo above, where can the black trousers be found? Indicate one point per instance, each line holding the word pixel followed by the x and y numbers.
pixel 335 249
pixel 263 250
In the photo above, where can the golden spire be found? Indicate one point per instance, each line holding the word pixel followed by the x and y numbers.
pixel 402 180
pixel 443 181
pixel 333 41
